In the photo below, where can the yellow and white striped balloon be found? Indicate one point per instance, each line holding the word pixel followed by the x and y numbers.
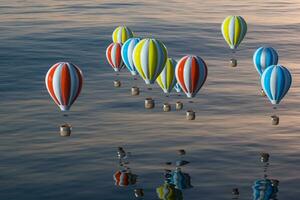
pixel 234 29
pixel 121 34
pixel 167 79
pixel 149 58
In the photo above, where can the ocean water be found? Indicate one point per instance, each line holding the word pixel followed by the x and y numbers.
pixel 223 144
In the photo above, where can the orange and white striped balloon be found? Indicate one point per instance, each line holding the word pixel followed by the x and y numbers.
pixel 64 82
pixel 191 73
pixel 113 56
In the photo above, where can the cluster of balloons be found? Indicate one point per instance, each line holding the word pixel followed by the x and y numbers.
pixel 275 79
pixel 148 58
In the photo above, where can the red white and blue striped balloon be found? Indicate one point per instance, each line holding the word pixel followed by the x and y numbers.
pixel 263 58
pixel 191 73
pixel 276 81
pixel 113 56
pixel 127 51
pixel 64 82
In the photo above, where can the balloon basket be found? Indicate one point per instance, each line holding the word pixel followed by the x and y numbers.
pixel 179 105
pixel 65 130
pixel 149 103
pixel 139 192
pixel 275 120
pixel 190 115
pixel 263 94
pixel 181 152
pixel 135 91
pixel 117 83
pixel 264 157
pixel 235 191
pixel 233 62
pixel 166 107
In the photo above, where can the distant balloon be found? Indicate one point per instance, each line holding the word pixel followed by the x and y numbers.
pixel 124 178
pixel 276 81
pixel 191 73
pixel 127 51
pixel 121 34
pixel 113 56
pixel 234 29
pixel 149 58
pixel 177 87
pixel 169 192
pixel 167 79
pixel 263 58
pixel 64 82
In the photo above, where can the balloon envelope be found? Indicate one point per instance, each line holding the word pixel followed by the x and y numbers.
pixel 177 87
pixel 127 51
pixel 167 79
pixel 234 29
pixel 64 82
pixel 276 81
pixel 113 56
pixel 191 73
pixel 149 58
pixel 121 34
pixel 263 58
pixel 124 178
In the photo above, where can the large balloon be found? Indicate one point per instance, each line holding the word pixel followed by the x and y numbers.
pixel 234 29
pixel 124 178
pixel 149 58
pixel 167 79
pixel 64 82
pixel 276 81
pixel 113 56
pixel 263 58
pixel 169 192
pixel 177 87
pixel 127 51
pixel 191 73
pixel 121 34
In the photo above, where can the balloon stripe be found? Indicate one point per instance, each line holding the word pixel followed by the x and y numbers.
pixel 180 73
pixel 153 60
pixel 237 31
pixel 57 83
pixel 49 83
pixel 65 84
pixel 194 74
pixel 74 82
pixel 144 61
pixel 80 80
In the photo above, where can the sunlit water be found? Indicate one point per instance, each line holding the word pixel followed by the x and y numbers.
pixel 232 125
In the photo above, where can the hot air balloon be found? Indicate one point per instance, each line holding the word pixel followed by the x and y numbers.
pixel 167 79
pixel 113 56
pixel 127 51
pixel 234 29
pixel 121 34
pixel 149 58
pixel 276 81
pixel 263 58
pixel 181 180
pixel 177 87
pixel 64 82
pixel 191 73
pixel 169 192
pixel 124 178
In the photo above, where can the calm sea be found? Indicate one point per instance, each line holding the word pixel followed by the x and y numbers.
pixel 223 144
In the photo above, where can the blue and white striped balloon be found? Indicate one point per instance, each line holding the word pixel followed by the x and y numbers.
pixel 276 81
pixel 263 58
pixel 127 51
pixel 177 87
